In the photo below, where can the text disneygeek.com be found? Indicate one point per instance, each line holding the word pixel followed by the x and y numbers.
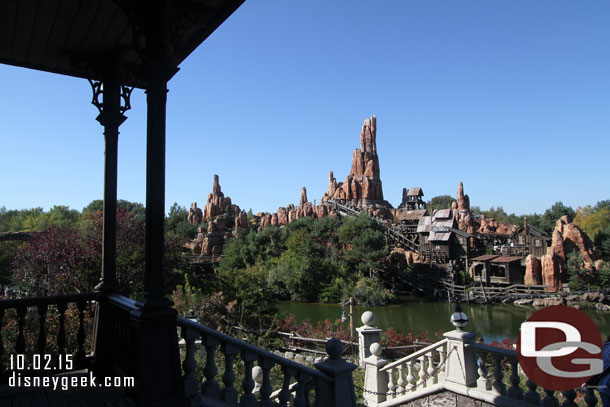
pixel 26 373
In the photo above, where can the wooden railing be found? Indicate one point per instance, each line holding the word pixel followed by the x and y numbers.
pixel 330 385
pixel 46 326
pixel 494 293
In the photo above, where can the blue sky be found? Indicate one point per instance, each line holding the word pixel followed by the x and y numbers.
pixel 510 97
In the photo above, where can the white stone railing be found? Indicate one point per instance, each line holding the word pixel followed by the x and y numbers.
pixel 330 384
pixel 418 370
pixel 458 365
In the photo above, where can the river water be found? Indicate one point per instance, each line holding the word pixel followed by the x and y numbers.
pixel 492 322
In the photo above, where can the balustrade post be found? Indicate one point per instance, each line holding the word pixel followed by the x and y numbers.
pixel 248 399
pixel 342 386
pixel 266 388
pixel 410 377
pixel 570 395
pixel 432 379
pixel 550 400
pixel 284 396
pixel 42 331
pixel 191 384
pixel 229 392
pixel 531 396
pixel 210 386
pixel 461 364
pixel 375 382
pixel 515 390
pixel 391 384
pixel 498 385
pixel 367 336
pixel 483 382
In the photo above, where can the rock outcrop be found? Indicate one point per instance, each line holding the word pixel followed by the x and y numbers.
pixel 490 225
pixel 217 204
pixel 303 199
pixel 553 270
pixel 209 241
pixel 568 238
pixel 461 210
pixel 362 187
pixel 241 223
pixel 533 268
pixel 195 215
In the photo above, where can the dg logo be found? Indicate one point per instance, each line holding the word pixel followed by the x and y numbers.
pixel 559 348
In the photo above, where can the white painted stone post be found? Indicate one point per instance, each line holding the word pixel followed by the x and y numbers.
pixel 461 362
pixel 375 382
pixel 368 334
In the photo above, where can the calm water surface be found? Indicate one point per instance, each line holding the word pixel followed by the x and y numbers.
pixel 492 322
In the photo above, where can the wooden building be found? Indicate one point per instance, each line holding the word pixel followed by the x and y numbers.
pixel 528 239
pixel 440 240
pixel 496 269
pixel 413 199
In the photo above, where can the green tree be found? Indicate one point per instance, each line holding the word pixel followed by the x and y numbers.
pixel 551 215
pixel 440 202
pixel 363 243
pixel 301 270
pixel 579 277
pixel 177 224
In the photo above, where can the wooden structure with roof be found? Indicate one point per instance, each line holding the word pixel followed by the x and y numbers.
pixel 118 45
pixel 440 240
pixel 491 269
pixel 528 239
pixel 412 199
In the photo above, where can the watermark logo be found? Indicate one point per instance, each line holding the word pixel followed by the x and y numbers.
pixel 559 348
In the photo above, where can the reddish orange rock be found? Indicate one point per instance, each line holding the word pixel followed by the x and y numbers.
pixel 216 204
pixel 553 269
pixel 532 271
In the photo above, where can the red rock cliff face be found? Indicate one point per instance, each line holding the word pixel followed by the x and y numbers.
pixel 568 238
pixel 363 184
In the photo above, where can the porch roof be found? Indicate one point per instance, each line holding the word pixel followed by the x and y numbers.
pixel 82 38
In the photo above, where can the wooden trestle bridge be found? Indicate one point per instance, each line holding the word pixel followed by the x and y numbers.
pixel 409 241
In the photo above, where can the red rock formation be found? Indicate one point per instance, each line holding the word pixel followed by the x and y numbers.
pixel 532 271
pixel 363 184
pixel 461 210
pixel 303 199
pixel 282 216
pixel 216 204
pixel 241 222
pixel 568 238
pixel 553 270
pixel 490 225
pixel 195 215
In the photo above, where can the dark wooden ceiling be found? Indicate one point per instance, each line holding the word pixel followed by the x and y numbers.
pixel 83 38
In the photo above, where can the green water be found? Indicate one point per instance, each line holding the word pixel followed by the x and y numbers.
pixel 492 322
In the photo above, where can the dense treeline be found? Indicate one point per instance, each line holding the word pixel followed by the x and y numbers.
pixel 64 255
pixel 326 260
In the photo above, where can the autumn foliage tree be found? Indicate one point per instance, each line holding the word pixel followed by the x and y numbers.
pixel 69 260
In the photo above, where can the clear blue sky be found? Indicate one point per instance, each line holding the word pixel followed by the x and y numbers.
pixel 512 97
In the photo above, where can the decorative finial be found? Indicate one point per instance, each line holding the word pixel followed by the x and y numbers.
pixel 459 319
pixel 334 348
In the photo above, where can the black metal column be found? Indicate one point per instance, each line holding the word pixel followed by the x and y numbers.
pixel 156 98
pixel 111 118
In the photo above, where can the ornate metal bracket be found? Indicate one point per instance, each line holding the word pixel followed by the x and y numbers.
pixel 98 91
